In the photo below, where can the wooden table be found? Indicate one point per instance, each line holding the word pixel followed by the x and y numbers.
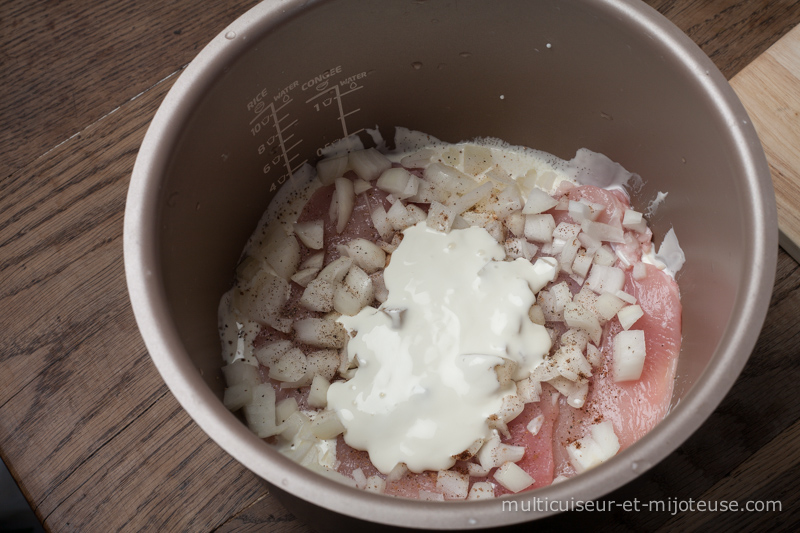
pixel 87 427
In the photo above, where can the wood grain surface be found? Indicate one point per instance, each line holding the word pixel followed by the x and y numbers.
pixel 87 427
pixel 769 88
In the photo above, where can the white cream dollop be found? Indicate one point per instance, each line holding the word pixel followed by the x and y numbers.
pixel 426 384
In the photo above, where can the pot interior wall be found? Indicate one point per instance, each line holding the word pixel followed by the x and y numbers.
pixel 549 75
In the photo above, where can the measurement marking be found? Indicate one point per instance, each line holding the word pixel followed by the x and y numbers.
pixel 261 113
pixel 351 90
pixel 281 142
pixel 299 165
pixel 295 144
pixel 282 118
pixel 351 112
pixel 338 97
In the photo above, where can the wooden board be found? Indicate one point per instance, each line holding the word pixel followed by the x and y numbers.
pixel 769 88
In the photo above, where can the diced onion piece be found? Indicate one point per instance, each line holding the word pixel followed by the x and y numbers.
pixel 605 256
pixel 508 201
pixel 477 470
pixel 566 231
pixel 420 159
pixel 594 355
pixel 571 364
pixel 345 198
pixel 335 271
pixel 320 333
pixel 538 202
pixel 397 473
pixel 359 478
pixel 379 286
pixel 323 363
pixel 480 490
pixel 633 220
pixel 487 455
pixel 639 271
pixel 472 197
pixel 269 353
pixel 332 168
pixel 629 315
pixel 291 366
pixel 264 298
pixel 600 445
pixel 441 217
pixel 285 408
pixel 303 277
pixel 281 252
pixel 237 396
pixel 536 315
pixel 603 232
pixel 375 484
pixel 582 262
pixel 477 159
pixel 568 254
pixel 428 496
pixel 394 181
pixel 453 485
pixel 327 425
pixel 355 293
pixel 513 478
pixel 318 393
pixel 241 373
pixel 318 295
pixel 539 228
pixel 499 175
pixel 511 407
pixel 260 412
pixel 590 243
pixel 368 164
pixel 529 390
pixel 580 211
pixel 314 261
pixel 577 316
pixel 625 297
pixel 416 213
pixel 577 397
pixel 427 193
pixel 605 279
pixel 562 294
pixel 381 223
pixel 447 179
pixel 575 337
pixel 366 255
pixel 515 222
pixel 629 354
pixel 505 372
pixel 520 248
pixel 535 425
pixel 248 268
pixel 310 233
pixel 399 217
pixel 360 186
pixel 608 305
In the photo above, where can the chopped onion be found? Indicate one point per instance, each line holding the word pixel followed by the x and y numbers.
pixel 509 201
pixel 331 168
pixel 427 193
pixel 513 478
pixel 453 485
pixel 399 217
pixel 285 408
pixel 318 295
pixel 511 407
pixel 600 445
pixel 517 247
pixel 323 363
pixel 304 277
pixel 310 233
pixel 345 198
pixel 315 260
pixel 639 271
pixel 368 164
pixel 359 478
pixel 318 393
pixel 327 425
pixel 335 271
pixel 320 333
pixel 536 315
pixel 291 366
pixel 515 222
pixel 582 262
pixel 477 470
pixel 375 484
pixel 366 255
pixel 395 180
pixel 447 179
pixel 379 286
pixel 241 373
pixel 426 495
pixel 477 159
pixel 260 412
pixel 607 305
pixel 420 159
pixel 538 202
pixel 629 315
pixel 629 354
pixel 416 213
pixel 577 316
pixel 568 254
pixel 263 299
pixel 603 232
pixel 605 279
pixel 539 228
pixel 281 252
pixel 355 293
pixel 480 490
pixel 575 337
pixel 237 396
pixel 535 425
pixel 381 223
pixel 571 364
pixel 625 297
pixel 472 197
pixel 529 390
pixel 269 353
pixel 397 473
pixel 604 256
pixel 633 220
pixel 360 186
pixel 441 217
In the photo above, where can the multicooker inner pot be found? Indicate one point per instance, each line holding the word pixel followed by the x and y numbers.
pixel 288 78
